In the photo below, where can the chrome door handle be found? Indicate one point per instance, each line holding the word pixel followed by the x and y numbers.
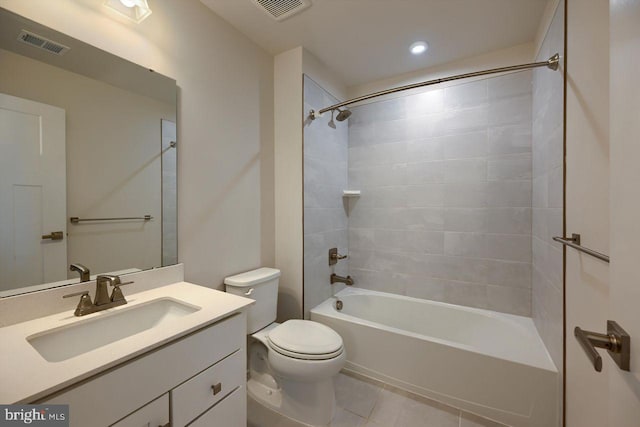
pixel 616 341
pixel 54 235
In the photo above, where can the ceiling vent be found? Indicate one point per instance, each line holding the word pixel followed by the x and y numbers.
pixel 43 43
pixel 282 9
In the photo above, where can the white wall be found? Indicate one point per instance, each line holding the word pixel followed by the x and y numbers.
pixel 587 203
pixel 545 23
pixel 225 122
pixel 324 76
pixel 288 181
pixel 289 116
pixel 113 161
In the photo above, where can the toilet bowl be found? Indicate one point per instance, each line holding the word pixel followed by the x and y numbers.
pixel 291 365
pixel 302 350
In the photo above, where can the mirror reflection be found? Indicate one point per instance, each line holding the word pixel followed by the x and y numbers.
pixel 88 163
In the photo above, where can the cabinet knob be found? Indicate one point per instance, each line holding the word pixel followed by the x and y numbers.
pixel 217 388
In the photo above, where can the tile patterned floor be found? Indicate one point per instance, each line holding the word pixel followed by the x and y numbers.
pixel 364 403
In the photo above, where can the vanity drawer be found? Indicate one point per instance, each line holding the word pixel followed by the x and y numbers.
pixel 153 414
pixel 207 388
pixel 230 412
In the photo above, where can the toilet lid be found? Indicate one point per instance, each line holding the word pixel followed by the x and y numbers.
pixel 305 337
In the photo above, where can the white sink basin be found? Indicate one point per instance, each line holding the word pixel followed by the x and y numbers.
pixel 106 327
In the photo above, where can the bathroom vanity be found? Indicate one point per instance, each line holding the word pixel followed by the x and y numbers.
pixel 174 355
pixel 199 377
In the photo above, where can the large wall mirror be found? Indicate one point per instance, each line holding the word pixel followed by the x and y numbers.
pixel 87 160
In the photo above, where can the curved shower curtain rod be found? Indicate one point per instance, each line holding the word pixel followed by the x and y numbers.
pixel 552 63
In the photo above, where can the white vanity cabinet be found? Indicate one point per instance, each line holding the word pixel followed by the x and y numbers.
pixel 154 414
pixel 197 380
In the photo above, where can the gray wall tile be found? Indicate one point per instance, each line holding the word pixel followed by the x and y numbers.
pixel 325 177
pixel 510 139
pixel 548 148
pixel 465 170
pixel 509 167
pixel 466 95
pixel 428 102
pixel 467 145
pixel 513 110
pixel 446 189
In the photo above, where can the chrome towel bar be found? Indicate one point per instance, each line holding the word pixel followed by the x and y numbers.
pixel 574 242
pixel 75 219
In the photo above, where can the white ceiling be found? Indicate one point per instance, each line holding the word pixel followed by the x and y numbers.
pixel 366 40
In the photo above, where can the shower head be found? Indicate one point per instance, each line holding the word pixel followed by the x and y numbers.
pixel 343 115
pixel 331 123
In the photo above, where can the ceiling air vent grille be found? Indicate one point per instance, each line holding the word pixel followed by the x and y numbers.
pixel 43 43
pixel 282 9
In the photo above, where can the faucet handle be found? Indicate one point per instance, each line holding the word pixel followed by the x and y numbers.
pixel 334 256
pixel 75 294
pixel 84 304
pixel 117 294
pixel 117 283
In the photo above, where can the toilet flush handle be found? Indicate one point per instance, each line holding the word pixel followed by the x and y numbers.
pixel 249 292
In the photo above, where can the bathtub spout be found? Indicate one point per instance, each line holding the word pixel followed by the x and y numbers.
pixel 346 280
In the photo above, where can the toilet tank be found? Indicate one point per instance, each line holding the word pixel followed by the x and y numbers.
pixel 260 285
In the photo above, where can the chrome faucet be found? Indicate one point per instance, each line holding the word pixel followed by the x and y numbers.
pixel 85 274
pixel 102 300
pixel 346 280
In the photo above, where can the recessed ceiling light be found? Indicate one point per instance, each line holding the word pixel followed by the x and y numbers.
pixel 136 10
pixel 418 47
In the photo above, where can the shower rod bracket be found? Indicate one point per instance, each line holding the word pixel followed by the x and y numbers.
pixel 313 114
pixel 553 63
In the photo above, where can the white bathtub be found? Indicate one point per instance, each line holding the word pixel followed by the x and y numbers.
pixel 492 364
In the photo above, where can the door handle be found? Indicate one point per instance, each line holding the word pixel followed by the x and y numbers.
pixel 55 235
pixel 617 342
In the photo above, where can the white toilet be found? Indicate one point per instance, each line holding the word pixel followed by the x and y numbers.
pixel 291 365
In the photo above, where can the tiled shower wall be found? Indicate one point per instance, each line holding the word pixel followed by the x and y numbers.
pixel 325 178
pixel 445 211
pixel 548 153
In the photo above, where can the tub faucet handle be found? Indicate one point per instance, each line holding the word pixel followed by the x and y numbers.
pixel 334 256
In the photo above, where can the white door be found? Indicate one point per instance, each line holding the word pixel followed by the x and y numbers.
pixel 624 119
pixel 32 193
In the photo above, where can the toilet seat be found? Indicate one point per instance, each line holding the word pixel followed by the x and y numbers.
pixel 305 339
pixel 304 356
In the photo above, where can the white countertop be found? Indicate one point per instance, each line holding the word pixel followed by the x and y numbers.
pixel 25 376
